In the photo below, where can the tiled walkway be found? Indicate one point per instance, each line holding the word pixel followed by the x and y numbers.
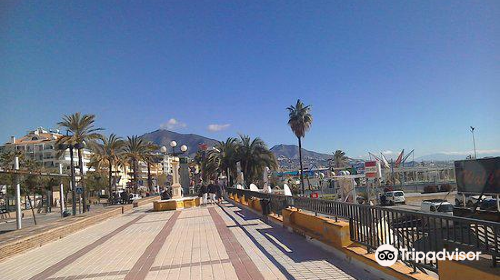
pixel 200 243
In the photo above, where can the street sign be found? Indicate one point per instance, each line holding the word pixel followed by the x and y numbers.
pixel 478 175
pixel 79 190
pixel 372 169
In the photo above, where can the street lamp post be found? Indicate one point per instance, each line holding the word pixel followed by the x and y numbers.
pixel 18 195
pixel 175 166
pixel 184 170
pixel 473 140
pixel 61 191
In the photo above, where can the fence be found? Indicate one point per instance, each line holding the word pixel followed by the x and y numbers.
pixel 373 226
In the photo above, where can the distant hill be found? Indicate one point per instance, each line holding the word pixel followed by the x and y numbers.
pixel 163 137
pixel 292 152
pixel 451 157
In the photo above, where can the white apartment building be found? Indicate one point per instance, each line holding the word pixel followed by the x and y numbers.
pixel 167 164
pixel 40 145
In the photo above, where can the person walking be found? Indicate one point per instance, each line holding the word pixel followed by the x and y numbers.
pixel 212 189
pixel 204 193
pixel 219 192
pixel 165 195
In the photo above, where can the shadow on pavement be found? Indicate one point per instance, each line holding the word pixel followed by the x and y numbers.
pixel 292 245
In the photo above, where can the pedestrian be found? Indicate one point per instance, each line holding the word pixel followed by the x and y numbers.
pixel 212 189
pixel 204 193
pixel 383 199
pixel 219 192
pixel 124 197
pixel 165 195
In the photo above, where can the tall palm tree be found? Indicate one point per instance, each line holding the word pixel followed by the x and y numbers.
pixel 208 164
pixel 300 120
pixel 83 130
pixel 135 148
pixel 225 156
pixel 254 157
pixel 339 159
pixel 108 153
pixel 149 157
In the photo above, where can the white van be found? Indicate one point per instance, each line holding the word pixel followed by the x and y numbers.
pixel 440 206
pixel 394 197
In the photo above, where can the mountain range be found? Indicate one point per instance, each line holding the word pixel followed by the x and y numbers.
pixel 163 137
pixel 452 157
pixel 292 152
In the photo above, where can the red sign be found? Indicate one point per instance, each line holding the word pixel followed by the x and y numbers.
pixel 370 163
pixel 371 169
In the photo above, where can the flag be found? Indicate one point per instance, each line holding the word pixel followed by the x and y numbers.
pixel 400 158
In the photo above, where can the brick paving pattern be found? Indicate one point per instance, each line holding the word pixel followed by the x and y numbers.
pixel 199 243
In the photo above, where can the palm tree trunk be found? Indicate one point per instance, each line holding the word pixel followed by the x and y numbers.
pixel 136 182
pixel 301 168
pixel 110 180
pixel 245 175
pixel 116 184
pixel 82 181
pixel 150 180
pixel 32 209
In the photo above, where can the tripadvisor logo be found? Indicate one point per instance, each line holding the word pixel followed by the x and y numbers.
pixel 387 255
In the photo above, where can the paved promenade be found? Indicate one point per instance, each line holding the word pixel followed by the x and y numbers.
pixel 199 243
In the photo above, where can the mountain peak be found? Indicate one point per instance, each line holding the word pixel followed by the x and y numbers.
pixel 163 137
pixel 292 152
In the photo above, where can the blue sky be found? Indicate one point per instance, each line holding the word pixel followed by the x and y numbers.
pixel 380 76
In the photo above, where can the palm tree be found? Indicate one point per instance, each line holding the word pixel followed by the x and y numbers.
pixel 225 155
pixel 340 160
pixel 300 120
pixel 108 153
pixel 82 128
pixel 254 157
pixel 149 157
pixel 207 163
pixel 135 148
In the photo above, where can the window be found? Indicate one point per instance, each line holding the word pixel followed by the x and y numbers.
pixel 445 208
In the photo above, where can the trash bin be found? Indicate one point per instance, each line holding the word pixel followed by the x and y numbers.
pixel 266 206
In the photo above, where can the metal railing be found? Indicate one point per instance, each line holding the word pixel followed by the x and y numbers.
pixel 373 226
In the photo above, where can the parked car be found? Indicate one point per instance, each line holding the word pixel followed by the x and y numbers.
pixel 134 196
pixel 437 206
pixel 395 197
pixel 489 204
pixel 470 199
